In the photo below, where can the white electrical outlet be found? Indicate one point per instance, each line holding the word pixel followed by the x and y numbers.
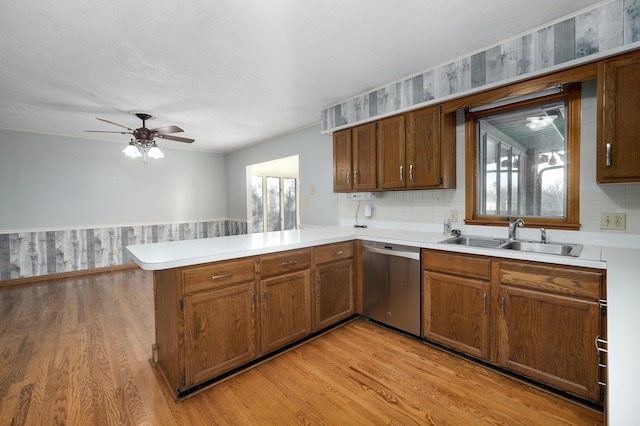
pixel 453 216
pixel 617 221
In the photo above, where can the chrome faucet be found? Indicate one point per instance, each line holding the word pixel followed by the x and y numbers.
pixel 513 226
pixel 543 236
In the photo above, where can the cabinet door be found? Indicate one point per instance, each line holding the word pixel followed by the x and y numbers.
pixel 365 158
pixel 220 331
pixel 550 338
pixel 334 293
pixel 286 309
pixel 391 153
pixel 342 171
pixel 424 148
pixel 618 155
pixel 456 313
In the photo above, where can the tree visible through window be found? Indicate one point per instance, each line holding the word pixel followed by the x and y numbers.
pixel 274 203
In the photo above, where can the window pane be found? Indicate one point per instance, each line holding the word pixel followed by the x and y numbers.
pixel 521 156
pixel 257 211
pixel 273 204
pixel 289 202
pixel 552 185
pixel 490 202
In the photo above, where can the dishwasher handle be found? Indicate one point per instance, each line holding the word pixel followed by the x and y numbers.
pixel 391 252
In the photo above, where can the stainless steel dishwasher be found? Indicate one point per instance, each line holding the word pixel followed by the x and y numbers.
pixel 391 285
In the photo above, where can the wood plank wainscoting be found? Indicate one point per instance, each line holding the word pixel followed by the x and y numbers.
pixel 76 351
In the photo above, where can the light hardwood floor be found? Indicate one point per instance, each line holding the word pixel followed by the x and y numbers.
pixel 75 351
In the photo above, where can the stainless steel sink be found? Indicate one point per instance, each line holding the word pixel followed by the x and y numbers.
pixel 545 248
pixel 560 249
pixel 485 242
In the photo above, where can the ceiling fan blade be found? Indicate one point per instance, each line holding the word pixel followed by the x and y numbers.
pixel 167 129
pixel 115 124
pixel 174 138
pixel 108 131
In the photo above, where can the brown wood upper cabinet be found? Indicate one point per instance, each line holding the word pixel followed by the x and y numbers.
pixel 417 150
pixel 355 161
pixel 618 156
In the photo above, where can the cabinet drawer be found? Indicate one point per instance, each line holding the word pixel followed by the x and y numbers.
pixel 282 263
pixel 217 275
pixel 332 252
pixel 553 279
pixel 458 264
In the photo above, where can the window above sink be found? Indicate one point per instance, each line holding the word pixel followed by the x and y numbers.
pixel 523 161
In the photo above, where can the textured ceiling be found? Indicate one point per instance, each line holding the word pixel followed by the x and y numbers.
pixel 234 72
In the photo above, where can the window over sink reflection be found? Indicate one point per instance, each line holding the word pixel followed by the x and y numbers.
pixel 522 154
pixel 524 162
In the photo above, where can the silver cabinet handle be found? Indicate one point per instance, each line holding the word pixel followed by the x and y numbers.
pixel 410 171
pixel 218 277
pixel 401 174
pixel 608 155
pixel 338 253
pixel 502 305
pixel 599 341
pixel 349 177
pixel 290 262
pixel 484 303
pixel 355 176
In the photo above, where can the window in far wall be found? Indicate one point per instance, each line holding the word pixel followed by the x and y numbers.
pixel 274 203
pixel 257 203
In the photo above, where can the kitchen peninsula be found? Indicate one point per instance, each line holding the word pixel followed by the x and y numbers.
pixel 172 257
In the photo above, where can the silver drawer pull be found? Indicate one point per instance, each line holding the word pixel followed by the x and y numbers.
pixel 597 343
pixel 608 155
pixel 338 253
pixel 290 262
pixel 218 277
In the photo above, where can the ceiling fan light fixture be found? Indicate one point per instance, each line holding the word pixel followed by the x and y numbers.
pixel 132 151
pixel 154 152
pixel 539 123
pixel 143 144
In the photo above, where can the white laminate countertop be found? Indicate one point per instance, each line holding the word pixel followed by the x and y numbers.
pixel 192 252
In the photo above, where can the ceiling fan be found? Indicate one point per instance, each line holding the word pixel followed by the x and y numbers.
pixel 143 143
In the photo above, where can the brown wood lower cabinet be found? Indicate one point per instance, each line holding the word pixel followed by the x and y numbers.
pixel 538 320
pixel 335 280
pixel 456 301
pixel 226 317
pixel 286 309
pixel 216 317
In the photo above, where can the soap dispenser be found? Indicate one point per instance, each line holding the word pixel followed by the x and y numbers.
pixel 446 228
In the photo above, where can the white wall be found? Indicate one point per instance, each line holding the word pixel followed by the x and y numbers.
pixel 318 203
pixel 433 206
pixel 53 182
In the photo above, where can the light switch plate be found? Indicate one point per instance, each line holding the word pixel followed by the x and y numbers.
pixel 617 221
